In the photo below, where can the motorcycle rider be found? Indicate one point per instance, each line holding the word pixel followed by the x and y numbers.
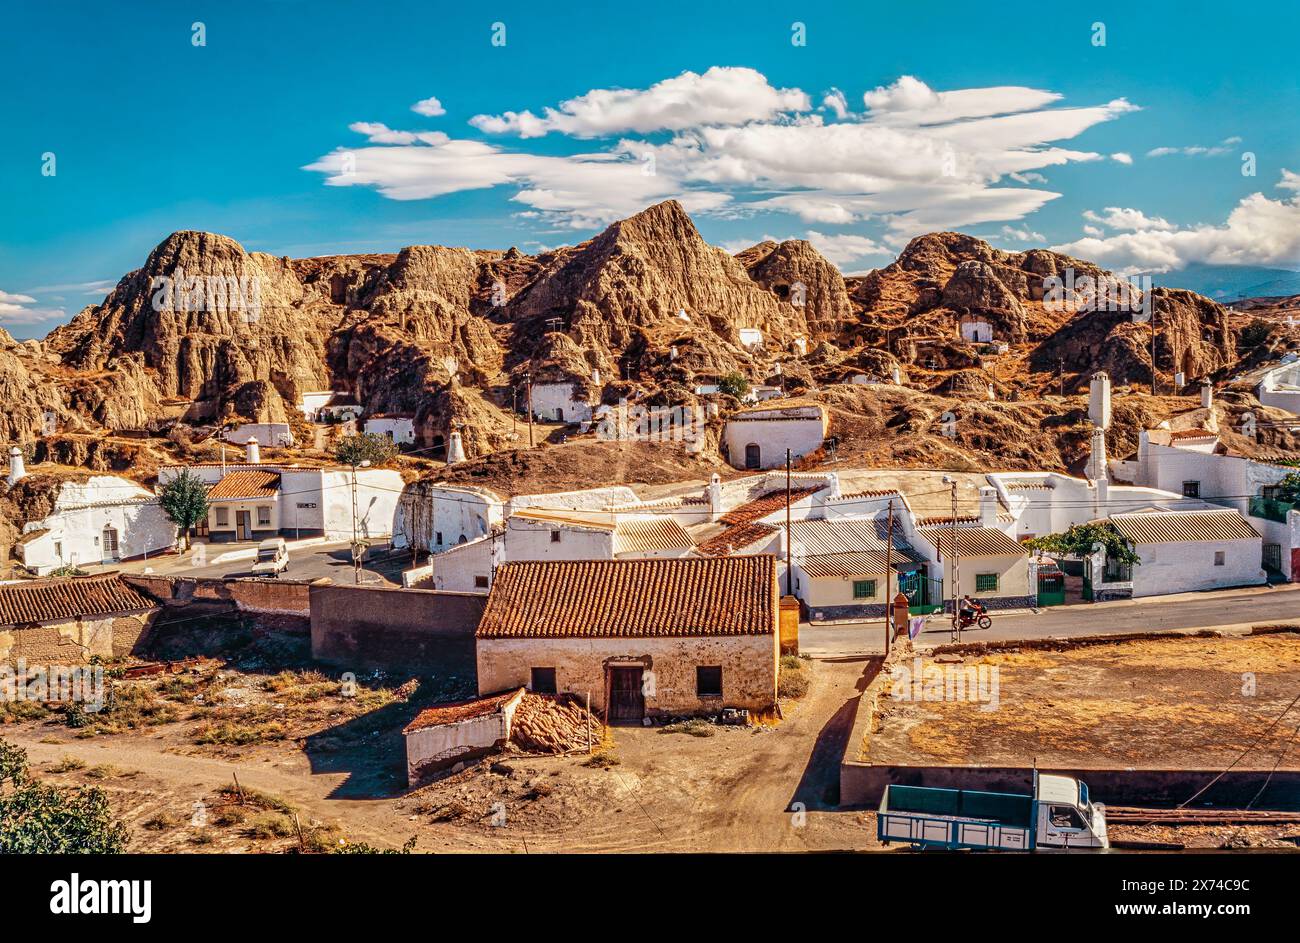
pixel 967 610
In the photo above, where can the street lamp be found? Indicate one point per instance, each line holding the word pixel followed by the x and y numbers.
pixel 357 549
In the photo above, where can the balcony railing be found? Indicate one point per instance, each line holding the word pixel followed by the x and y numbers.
pixel 1270 509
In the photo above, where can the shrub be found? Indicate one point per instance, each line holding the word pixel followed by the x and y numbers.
pixel 792 684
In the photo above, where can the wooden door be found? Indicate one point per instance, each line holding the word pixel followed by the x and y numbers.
pixel 626 701
pixel 753 456
pixel 241 525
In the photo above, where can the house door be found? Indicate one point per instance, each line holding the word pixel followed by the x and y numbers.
pixel 1051 588
pixel 626 701
pixel 753 456
pixel 241 525
pixel 109 545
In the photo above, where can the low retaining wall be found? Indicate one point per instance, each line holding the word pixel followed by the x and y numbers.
pixel 862 784
pixel 281 597
pixel 404 630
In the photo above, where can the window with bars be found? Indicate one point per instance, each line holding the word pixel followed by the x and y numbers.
pixel 864 589
pixel 986 582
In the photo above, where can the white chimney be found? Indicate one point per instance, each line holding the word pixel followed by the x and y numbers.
pixel 455 449
pixel 1099 399
pixel 1207 395
pixel 254 451
pixel 595 377
pixel 993 394
pixel 1097 455
pixel 17 470
pixel 988 507
pixel 896 375
pixel 715 497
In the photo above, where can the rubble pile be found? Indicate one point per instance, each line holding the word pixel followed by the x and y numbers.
pixel 552 725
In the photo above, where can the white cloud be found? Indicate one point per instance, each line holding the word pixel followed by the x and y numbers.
pixel 1122 157
pixel 1258 231
pixel 1124 218
pixel 722 95
pixel 1022 235
pixel 1197 150
pixel 17 308
pixel 846 249
pixel 918 160
pixel 835 101
pixel 429 107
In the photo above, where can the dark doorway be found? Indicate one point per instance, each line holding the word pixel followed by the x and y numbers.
pixel 626 702
pixel 439 449
pixel 753 456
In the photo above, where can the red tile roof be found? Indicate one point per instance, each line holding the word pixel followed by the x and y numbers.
pixel 441 714
pixel 63 599
pixel 736 537
pixel 762 507
pixel 632 598
pixel 246 484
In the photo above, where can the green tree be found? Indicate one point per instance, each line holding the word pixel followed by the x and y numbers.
pixel 734 384
pixel 184 500
pixel 1080 539
pixel 1288 489
pixel 368 446
pixel 36 818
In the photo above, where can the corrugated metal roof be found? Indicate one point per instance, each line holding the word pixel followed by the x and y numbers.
pixel 1165 526
pixel 974 542
pixel 855 547
pixel 646 534
pixel 246 484
pixel 62 599
pixel 632 598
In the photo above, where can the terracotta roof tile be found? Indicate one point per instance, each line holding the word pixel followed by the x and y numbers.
pixel 632 598
pixel 459 711
pixel 734 538
pixel 60 599
pixel 246 484
pixel 762 507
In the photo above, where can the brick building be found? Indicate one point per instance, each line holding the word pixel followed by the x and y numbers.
pixel 67 621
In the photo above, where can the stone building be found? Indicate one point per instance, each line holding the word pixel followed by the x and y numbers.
pixel 68 621
pixel 657 637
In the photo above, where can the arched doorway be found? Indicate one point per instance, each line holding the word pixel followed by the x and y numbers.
pixel 753 456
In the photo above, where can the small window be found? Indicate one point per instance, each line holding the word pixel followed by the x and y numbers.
pixel 708 681
pixel 480 582
pixel 1063 816
pixel 555 536
pixel 864 589
pixel 263 514
pixel 543 681
pixel 223 517
pixel 58 549
pixel 986 582
pixel 439 539
pixel 1191 489
pixel 1219 558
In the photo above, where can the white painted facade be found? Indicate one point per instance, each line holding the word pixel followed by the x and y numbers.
pixel 397 429
pixel 103 520
pixel 311 402
pixel 266 433
pixel 1280 387
pixel 976 330
pixel 759 437
pixel 468 567
pixel 460 514
pixel 560 402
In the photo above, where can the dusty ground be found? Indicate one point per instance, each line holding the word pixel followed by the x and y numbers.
pixel 1182 702
pixel 337 764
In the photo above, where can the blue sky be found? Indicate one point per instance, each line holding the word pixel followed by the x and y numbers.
pixel 292 130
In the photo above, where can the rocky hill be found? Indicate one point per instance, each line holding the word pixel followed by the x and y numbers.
pixel 206 332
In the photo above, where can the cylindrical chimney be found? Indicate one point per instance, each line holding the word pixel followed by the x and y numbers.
pixel 455 449
pixel 17 469
pixel 254 451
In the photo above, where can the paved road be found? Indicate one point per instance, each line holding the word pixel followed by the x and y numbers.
pixel 333 560
pixel 1259 605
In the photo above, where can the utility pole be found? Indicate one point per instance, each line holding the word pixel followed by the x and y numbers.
pixel 514 409
pixel 889 569
pixel 956 569
pixel 1153 349
pixel 1060 371
pixel 789 573
pixel 356 559
pixel 528 378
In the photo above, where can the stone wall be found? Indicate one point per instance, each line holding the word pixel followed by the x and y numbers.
pixel 404 630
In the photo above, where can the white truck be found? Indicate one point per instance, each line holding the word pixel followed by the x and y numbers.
pixel 272 557
pixel 1057 815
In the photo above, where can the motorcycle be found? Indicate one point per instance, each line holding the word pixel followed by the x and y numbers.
pixel 978 616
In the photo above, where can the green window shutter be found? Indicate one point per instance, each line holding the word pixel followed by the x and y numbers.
pixel 864 589
pixel 986 582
